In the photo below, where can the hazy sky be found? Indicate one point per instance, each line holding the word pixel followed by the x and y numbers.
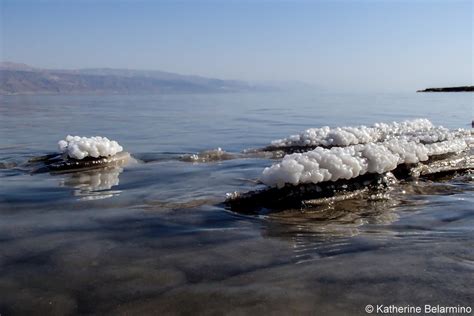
pixel 387 45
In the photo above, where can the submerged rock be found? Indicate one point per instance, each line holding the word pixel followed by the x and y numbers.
pixel 209 156
pixel 270 199
pixel 291 196
pixel 61 162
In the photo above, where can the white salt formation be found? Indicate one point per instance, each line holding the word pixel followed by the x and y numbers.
pixel 81 147
pixel 323 164
pixel 208 156
pixel 345 136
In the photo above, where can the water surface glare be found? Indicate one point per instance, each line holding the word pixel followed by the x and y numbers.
pixel 153 237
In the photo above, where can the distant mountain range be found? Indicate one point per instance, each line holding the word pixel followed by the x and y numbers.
pixel 18 78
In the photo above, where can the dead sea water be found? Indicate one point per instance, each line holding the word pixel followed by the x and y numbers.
pixel 153 237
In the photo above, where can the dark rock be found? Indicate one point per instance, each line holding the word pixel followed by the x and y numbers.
pixel 449 89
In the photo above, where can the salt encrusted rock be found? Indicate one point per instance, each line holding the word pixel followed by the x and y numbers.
pixel 81 147
pixel 419 129
pixel 321 164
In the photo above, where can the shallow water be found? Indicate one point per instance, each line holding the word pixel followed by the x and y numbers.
pixel 154 236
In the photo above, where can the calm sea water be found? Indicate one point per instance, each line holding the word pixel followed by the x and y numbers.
pixel 153 237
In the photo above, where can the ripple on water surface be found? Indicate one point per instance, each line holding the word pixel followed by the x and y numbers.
pixel 155 237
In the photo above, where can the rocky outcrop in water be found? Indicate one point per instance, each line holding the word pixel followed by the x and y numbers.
pixel 449 89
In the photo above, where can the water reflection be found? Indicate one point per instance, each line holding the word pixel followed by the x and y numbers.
pixel 93 184
pixel 336 219
pixel 329 230
pixel 364 223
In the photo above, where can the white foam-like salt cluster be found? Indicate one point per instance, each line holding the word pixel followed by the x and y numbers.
pixel 345 136
pixel 208 155
pixel 80 147
pixel 321 164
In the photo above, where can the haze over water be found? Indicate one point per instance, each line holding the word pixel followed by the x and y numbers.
pixel 154 236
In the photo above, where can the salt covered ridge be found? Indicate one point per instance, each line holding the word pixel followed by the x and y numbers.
pixel 321 164
pixel 81 147
pixel 419 129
